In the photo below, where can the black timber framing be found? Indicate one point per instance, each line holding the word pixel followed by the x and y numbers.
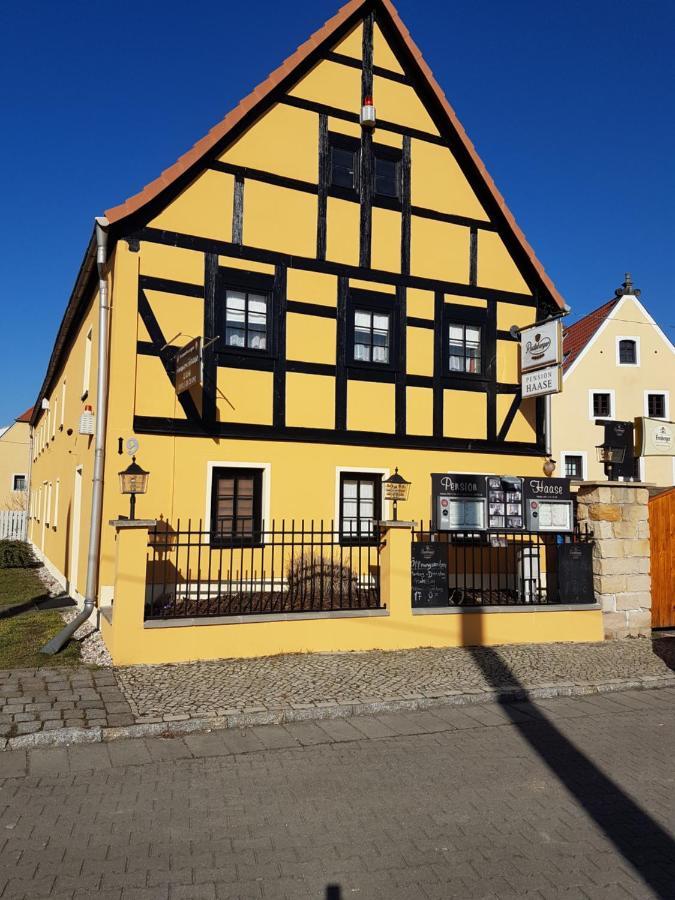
pixel 169 286
pixel 379 276
pixel 366 156
pixel 406 222
pixel 234 430
pixel 341 356
pixel 437 427
pixel 491 370
pixel 510 415
pixel 167 355
pixel 331 56
pixel 238 210
pixel 279 314
pixel 209 366
pixel 322 206
pixel 400 389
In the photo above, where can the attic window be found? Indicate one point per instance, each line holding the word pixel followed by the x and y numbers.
pixel 343 172
pixel 387 173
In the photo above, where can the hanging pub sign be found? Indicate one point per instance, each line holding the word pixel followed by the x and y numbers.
pixel 189 366
pixel 541 382
pixel 541 345
pixel 658 437
pixel 458 502
pixel 548 504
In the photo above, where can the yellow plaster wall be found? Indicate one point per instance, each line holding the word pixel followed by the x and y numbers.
pixel 333 84
pixel 244 395
pixel 383 55
pixel 386 240
pixel 420 351
pixel 372 286
pixel 155 395
pixel 509 314
pixel 163 261
pixel 439 250
pixel 370 406
pixel 507 361
pixel 464 414
pixel 14 460
pixel 175 313
pixel 250 265
pixel 466 301
pixel 399 103
pixel 268 210
pixel 352 44
pixel 419 410
pixel 437 182
pixel 420 303
pixel 204 208
pixel 283 141
pixel 523 427
pixel 342 231
pixel 310 401
pixel 496 269
pixel 311 287
pixel 310 338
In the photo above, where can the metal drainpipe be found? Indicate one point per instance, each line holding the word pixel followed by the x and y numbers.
pixel 65 634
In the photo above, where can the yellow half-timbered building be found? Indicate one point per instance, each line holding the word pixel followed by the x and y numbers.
pixel 353 287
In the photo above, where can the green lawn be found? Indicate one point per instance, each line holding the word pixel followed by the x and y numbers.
pixel 22 635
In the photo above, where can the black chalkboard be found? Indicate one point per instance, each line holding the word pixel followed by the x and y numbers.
pixel 429 581
pixel 575 573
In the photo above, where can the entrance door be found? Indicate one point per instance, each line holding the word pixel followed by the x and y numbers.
pixel 75 531
pixel 661 530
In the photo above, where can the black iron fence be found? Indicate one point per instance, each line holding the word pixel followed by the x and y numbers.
pixel 503 568
pixel 289 568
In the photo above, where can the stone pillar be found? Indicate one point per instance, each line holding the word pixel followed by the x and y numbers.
pixel 395 569
pixel 618 515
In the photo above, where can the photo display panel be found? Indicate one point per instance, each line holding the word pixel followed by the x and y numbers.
pixel 548 504
pixel 505 503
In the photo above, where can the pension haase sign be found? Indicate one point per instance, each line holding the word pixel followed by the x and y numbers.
pixel 541 382
pixel 189 366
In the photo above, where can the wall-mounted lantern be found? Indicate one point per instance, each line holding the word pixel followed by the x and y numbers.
pixel 133 480
pixel 396 488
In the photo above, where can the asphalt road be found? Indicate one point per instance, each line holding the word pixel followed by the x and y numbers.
pixel 569 798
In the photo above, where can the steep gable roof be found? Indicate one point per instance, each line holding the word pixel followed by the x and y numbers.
pixel 252 105
pixel 25 416
pixel 578 335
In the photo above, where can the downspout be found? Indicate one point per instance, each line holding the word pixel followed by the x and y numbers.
pixel 65 634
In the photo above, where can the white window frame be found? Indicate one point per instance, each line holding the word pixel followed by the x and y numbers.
pixel 367 470
pixel 665 395
pixel 63 404
pixel 584 462
pixel 48 504
pixel 86 370
pixel 57 488
pixel 612 403
pixel 53 414
pixel 265 515
pixel 628 337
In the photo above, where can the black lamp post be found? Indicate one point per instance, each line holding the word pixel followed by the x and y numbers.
pixel 396 488
pixel 133 480
pixel 610 456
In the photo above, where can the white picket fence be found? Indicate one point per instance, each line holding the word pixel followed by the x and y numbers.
pixel 13 524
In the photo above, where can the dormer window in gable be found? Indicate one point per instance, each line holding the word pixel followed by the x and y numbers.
pixel 343 170
pixel 387 173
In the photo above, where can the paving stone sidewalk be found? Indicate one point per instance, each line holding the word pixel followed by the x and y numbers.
pixel 48 706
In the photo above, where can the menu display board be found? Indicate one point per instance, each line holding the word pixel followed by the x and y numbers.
pixel 458 502
pixel 505 502
pixel 429 574
pixel 548 504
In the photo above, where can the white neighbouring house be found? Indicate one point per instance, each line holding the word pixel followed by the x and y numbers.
pixel 617 364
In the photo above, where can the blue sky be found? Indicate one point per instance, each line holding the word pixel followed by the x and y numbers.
pixel 570 105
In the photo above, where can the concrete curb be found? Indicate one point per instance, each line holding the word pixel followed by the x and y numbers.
pixel 66 736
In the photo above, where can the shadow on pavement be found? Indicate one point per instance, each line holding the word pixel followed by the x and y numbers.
pixel 642 842
pixel 664 648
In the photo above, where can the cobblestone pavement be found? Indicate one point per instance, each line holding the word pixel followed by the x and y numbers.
pixel 34 700
pixel 565 798
pixel 344 678
pixel 56 706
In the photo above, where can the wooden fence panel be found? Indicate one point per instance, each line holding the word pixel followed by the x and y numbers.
pixel 662 531
pixel 13 524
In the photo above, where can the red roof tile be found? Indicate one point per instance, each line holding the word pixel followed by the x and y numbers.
pixel 577 336
pixel 261 93
pixel 25 417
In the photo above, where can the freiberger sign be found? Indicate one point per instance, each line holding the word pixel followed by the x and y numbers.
pixel 658 437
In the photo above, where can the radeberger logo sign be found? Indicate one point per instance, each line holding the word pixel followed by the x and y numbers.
pixel 541 346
